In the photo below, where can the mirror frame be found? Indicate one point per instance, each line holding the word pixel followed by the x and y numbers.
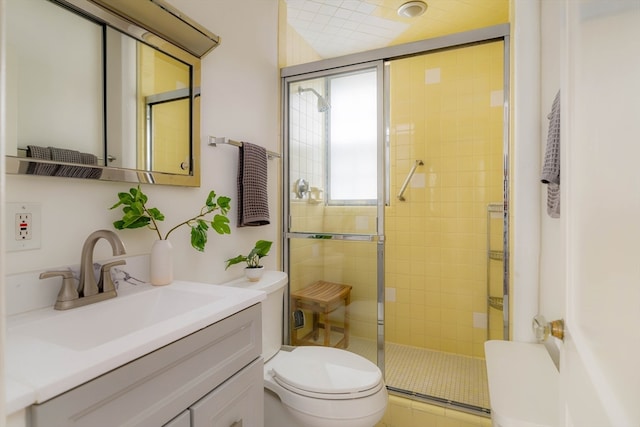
pixel 18 165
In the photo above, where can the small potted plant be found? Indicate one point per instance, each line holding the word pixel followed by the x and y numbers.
pixel 136 214
pixel 253 270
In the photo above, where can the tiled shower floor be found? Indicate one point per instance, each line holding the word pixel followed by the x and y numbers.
pixel 447 377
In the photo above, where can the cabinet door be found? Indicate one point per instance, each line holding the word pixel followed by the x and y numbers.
pixel 182 420
pixel 238 402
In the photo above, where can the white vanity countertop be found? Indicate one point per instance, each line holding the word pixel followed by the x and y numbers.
pixel 41 361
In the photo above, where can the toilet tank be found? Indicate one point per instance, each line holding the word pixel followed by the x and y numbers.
pixel 273 283
pixel 523 385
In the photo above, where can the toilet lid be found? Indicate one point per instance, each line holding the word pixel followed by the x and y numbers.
pixel 327 372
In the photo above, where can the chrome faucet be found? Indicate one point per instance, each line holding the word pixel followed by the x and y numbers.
pixel 88 290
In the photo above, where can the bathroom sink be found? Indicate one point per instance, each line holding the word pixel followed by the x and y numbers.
pixel 100 323
pixel 51 351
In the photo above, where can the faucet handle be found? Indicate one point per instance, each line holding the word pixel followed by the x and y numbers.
pixel 106 283
pixel 68 291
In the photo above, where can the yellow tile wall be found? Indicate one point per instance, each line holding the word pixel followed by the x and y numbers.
pixel 171 129
pixel 347 262
pixel 306 146
pixel 445 110
pixel 437 239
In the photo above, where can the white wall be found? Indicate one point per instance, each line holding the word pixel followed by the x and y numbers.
pixel 79 128
pixel 525 161
pixel 552 286
pixel 538 286
pixel 551 281
pixel 240 99
pixel 3 128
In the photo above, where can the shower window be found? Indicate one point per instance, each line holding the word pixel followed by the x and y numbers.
pixel 352 134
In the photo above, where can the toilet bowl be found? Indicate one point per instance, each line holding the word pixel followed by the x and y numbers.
pixel 312 386
pixel 323 386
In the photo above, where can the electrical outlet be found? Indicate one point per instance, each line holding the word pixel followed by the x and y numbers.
pixel 23 226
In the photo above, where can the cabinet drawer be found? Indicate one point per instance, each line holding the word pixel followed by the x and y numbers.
pixel 155 388
pixel 237 402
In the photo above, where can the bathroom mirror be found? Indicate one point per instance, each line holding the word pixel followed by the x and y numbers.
pixel 93 95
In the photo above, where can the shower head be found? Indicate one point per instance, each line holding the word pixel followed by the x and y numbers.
pixel 323 104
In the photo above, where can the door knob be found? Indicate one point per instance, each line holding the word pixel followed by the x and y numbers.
pixel 542 329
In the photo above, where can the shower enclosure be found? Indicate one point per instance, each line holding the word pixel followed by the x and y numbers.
pixel 395 220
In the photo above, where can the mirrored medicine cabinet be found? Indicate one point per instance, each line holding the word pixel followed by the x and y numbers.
pixel 99 89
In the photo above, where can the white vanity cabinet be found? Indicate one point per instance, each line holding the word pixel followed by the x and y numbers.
pixel 212 377
pixel 236 403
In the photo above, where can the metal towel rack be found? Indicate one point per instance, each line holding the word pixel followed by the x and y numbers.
pixel 408 179
pixel 495 212
pixel 215 140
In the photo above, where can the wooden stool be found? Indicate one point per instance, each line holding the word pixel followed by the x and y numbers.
pixel 321 299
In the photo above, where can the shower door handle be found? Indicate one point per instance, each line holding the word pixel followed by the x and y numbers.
pixel 408 179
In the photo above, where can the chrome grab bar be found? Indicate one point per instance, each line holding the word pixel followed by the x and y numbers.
pixel 406 181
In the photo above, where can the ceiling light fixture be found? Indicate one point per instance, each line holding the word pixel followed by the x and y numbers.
pixel 412 9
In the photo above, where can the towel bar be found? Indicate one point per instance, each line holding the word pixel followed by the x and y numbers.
pixel 215 140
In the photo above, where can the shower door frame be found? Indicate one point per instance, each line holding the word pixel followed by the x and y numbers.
pixel 378 237
pixel 336 65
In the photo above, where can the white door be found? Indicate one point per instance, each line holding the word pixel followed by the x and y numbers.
pixel 600 365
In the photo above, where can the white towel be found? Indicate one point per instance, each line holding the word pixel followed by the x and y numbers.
pixel 551 167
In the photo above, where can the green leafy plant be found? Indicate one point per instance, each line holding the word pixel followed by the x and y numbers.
pixel 136 214
pixel 260 250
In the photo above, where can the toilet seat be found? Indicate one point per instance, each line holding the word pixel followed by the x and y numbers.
pixel 327 373
pixel 346 405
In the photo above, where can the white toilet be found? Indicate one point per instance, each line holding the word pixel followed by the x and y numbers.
pixel 312 386
pixel 523 384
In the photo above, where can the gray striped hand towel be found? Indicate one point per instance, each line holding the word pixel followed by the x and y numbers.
pixel 253 202
pixel 551 166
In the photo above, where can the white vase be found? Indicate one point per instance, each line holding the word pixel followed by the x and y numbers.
pixel 254 274
pixel 161 263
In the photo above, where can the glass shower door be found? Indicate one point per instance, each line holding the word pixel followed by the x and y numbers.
pixel 333 245
pixel 445 237
pixel 397 226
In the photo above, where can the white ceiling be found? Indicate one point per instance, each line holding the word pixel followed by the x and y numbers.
pixel 339 27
